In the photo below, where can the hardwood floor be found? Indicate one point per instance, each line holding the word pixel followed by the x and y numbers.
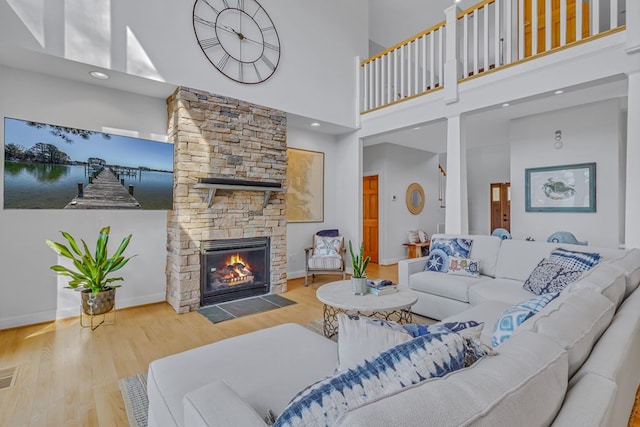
pixel 68 375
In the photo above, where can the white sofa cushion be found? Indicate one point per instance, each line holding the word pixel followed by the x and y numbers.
pixel 487 313
pixel 484 249
pixel 615 357
pixel 518 258
pixel 629 261
pixel 289 351
pixel 575 320
pixel 444 285
pixel 588 403
pixel 503 290
pixel 524 385
pixel 216 404
pixel 606 278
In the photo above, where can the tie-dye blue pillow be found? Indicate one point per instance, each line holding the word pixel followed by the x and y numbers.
pixel 327 401
pixel 441 250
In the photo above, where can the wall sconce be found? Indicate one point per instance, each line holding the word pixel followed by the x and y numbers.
pixel 558 143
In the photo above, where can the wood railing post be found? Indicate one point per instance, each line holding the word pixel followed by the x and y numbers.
pixel 452 61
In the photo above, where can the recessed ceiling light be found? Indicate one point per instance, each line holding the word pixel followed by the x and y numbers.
pixel 506 104
pixel 558 92
pixel 315 124
pixel 99 75
pixel 416 128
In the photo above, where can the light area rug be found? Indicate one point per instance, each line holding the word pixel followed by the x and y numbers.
pixel 134 395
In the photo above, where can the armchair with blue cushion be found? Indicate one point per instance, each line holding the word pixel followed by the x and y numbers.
pixel 326 256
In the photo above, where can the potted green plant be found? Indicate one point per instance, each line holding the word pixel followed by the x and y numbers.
pixel 359 276
pixel 91 271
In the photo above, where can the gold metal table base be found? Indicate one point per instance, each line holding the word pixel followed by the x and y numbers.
pixel 330 317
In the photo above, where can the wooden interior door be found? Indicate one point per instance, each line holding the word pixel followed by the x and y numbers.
pixel 501 206
pixel 555 24
pixel 370 216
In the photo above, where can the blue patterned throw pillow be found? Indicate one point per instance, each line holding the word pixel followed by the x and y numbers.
pixel 515 316
pixel 574 260
pixel 549 276
pixel 441 250
pixel 327 401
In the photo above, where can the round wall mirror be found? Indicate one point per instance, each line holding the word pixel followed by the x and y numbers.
pixel 415 198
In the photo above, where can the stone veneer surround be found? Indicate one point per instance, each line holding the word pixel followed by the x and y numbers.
pixel 216 136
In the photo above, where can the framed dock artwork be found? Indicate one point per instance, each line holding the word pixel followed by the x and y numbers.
pixel 50 166
pixel 305 186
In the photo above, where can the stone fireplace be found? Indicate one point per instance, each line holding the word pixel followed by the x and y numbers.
pixel 229 178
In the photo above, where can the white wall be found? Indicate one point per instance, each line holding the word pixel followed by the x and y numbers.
pixel 397 168
pixel 485 165
pixel 155 39
pixel 300 235
pixel 590 133
pixel 29 291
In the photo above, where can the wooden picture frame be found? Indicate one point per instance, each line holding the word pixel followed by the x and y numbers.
pixel 565 188
pixel 305 186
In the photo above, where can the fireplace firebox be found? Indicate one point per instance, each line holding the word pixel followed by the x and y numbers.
pixel 233 269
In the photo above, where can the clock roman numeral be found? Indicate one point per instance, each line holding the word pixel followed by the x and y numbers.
pixel 212 8
pixel 241 72
pixel 265 29
pixel 241 4
pixel 226 4
pixel 255 67
pixel 272 46
pixel 203 21
pixel 267 62
pixel 209 43
pixel 223 61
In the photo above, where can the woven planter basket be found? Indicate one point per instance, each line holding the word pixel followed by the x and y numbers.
pixel 103 302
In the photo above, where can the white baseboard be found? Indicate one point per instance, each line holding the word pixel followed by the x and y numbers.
pixel 51 315
pixel 295 274
pixel 28 319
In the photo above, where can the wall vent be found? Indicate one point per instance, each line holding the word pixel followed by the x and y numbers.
pixel 7 377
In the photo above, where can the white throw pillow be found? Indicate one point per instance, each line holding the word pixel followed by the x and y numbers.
pixel 464 267
pixel 361 337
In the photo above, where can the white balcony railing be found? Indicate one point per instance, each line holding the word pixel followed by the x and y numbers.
pixel 491 34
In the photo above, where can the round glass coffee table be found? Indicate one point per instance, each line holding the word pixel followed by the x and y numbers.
pixel 339 298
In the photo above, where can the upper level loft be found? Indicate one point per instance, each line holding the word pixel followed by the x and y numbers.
pixel 481 40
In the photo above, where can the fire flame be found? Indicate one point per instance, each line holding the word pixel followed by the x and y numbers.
pixel 237 259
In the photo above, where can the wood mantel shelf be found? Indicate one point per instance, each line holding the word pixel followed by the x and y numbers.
pixel 214 184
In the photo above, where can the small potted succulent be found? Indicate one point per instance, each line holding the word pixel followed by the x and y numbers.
pixel 92 270
pixel 359 276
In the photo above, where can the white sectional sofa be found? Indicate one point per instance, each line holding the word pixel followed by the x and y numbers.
pixel 575 362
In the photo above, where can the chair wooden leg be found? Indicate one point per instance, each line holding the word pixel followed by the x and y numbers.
pixel 306 277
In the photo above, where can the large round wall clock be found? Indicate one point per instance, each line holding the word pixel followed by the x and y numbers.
pixel 238 37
